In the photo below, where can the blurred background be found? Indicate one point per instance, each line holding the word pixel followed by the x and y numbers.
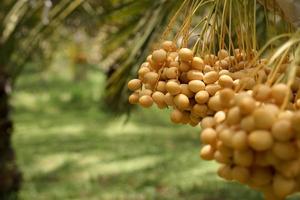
pixel 63 67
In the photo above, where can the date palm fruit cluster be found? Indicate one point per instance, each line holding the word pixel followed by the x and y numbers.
pixel 249 126
pixel 255 140
pixel 189 84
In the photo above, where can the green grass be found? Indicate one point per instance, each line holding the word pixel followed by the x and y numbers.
pixel 68 148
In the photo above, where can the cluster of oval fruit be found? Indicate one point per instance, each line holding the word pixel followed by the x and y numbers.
pixel 176 78
pixel 248 132
pixel 256 141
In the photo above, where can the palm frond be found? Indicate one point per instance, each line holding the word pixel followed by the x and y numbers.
pixel 138 44
pixel 22 29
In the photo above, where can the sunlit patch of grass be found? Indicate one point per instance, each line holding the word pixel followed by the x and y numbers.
pixel 50 163
pixel 94 170
pixel 29 100
pixel 190 176
pixel 67 129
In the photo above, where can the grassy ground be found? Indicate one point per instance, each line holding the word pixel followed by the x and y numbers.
pixel 69 149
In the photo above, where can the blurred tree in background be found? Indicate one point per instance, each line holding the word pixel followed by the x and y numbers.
pixel 27 28
pixel 23 24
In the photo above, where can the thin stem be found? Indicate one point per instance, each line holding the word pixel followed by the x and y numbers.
pixel 292 75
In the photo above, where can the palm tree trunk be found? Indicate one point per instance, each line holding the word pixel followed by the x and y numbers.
pixel 10 176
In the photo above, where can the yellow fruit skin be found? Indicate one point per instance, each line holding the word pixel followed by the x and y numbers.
pixel 261 176
pixel 208 136
pixel 186 55
pixel 225 81
pixel 207 152
pixel 243 158
pixel 146 101
pixel 239 140
pixel 158 97
pixel 202 97
pixel 225 172
pixel 196 85
pixel 134 84
pixel 282 130
pixel 181 101
pixel 207 122
pixel 260 140
pixel 214 103
pixel 173 88
pixel 283 186
pixel 169 46
pixel 279 92
pixel 263 118
pixel 211 77
pixel 159 56
pixel 176 116
pixel 197 63
pixel 285 150
pixel 240 174
pixel 133 98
